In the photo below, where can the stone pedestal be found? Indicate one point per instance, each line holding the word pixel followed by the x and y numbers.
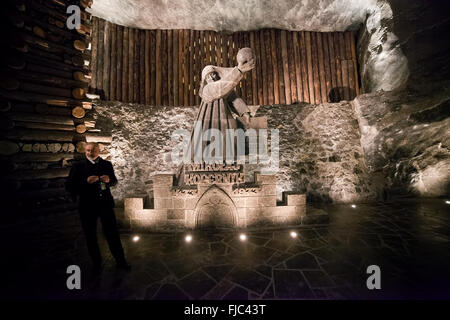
pixel 215 205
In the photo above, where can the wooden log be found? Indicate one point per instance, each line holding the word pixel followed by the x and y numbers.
pixel 136 66
pixel 153 67
pixel 78 112
pixel 45 126
pixel 94 137
pixel 119 50
pixel 9 84
pixel 281 84
pixel 186 68
pixel 46 109
pixel 292 70
pixel 49 80
pixel 315 65
pixel 339 92
pixel 284 55
pixel 224 49
pixel 265 72
pixel 113 65
pixel 169 68
pixel 191 69
pixel 255 72
pixel 80 76
pixel 175 63
pixel 259 75
pixel 298 66
pixel 142 66
pixel 266 57
pixel 52 64
pixel 125 55
pixel 15 62
pixel 164 94
pixel 106 59
pixel 158 54
pixel 198 66
pixel 147 66
pixel 33 68
pixel 38 135
pixel 308 87
pixel 48 119
pixel 326 65
pixel 8 148
pixel 45 44
pixel 39 174
pixel 131 40
pixel 343 56
pixel 100 51
pixel 320 57
pixel 51 100
pixel 42 157
pixel 332 93
pixel 32 87
pixel 355 62
pixel 181 62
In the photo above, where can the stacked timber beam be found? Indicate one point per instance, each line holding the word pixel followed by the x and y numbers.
pixel 46 69
pixel 163 67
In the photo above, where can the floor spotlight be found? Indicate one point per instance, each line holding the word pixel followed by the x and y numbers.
pixel 136 238
pixel 188 238
pixel 353 206
pixel 293 234
pixel 447 202
pixel 242 237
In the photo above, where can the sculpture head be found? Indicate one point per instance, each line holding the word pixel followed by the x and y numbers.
pixel 245 56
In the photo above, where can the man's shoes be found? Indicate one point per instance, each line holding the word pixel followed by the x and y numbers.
pixel 123 266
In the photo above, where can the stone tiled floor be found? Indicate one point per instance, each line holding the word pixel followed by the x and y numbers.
pixel 408 239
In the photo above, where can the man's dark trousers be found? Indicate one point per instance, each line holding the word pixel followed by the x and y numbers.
pixel 96 203
pixel 89 218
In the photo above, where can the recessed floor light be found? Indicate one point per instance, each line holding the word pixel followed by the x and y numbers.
pixel 242 237
pixel 188 238
pixel 136 238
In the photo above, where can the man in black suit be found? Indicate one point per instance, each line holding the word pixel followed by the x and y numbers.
pixel 90 180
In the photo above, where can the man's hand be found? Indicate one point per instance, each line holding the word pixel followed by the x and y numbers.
pixel 92 179
pixel 104 178
pixel 246 65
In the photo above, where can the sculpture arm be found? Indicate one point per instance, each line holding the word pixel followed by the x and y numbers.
pixel 238 103
pixel 219 89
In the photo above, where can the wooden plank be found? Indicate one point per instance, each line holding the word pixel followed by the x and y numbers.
pixel 106 59
pixel 142 66
pixel 274 68
pixel 130 63
pixel 332 56
pixel 125 55
pixel 153 67
pixel 344 67
pixel 136 71
pixel 164 94
pixel 291 63
pixel 191 67
pixel 175 68
pixel 94 42
pixel 147 66
pixel 186 67
pixel 326 63
pixel 265 82
pixel 113 66
pixel 208 47
pixel 355 63
pixel 198 66
pixel 158 54
pixel 284 55
pixel 169 68
pixel 255 72
pixel 309 67
pixel 269 69
pixel 322 82
pixel 298 70
pixel 99 81
pixel 349 58
pixel 224 48
pixel 180 67
pixel 119 63
pixel 201 59
pixel 281 83
pixel 315 65
pixel 242 85
pixel 339 91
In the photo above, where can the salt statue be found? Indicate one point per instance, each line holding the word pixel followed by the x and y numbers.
pixel 221 108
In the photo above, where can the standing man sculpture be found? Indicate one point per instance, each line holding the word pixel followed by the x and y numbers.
pixel 90 180
pixel 220 105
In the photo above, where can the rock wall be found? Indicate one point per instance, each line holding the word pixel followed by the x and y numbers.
pixel 320 151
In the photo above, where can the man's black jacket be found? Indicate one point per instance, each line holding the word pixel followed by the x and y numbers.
pixel 91 194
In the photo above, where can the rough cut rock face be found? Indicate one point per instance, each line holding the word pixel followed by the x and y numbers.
pixel 406 137
pixel 235 15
